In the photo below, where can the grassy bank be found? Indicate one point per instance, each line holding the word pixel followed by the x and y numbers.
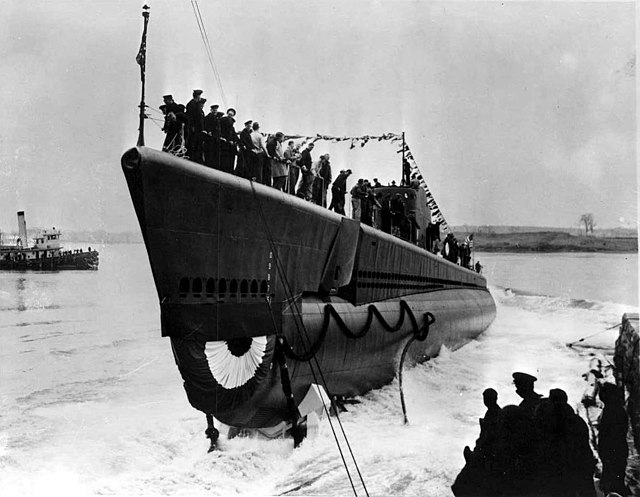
pixel 550 241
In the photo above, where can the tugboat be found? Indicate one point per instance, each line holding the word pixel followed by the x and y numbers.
pixel 45 254
pixel 264 295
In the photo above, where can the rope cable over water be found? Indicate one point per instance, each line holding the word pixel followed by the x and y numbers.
pixel 300 327
pixel 571 344
pixel 207 48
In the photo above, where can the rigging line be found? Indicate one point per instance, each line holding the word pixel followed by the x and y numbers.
pixel 571 344
pixel 158 111
pixel 315 359
pixel 288 290
pixel 213 62
pixel 207 46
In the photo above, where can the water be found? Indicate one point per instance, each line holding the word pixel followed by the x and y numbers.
pixel 92 402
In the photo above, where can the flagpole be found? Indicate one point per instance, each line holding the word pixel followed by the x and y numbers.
pixel 141 59
pixel 403 159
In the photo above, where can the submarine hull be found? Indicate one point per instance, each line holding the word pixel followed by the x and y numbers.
pixel 241 269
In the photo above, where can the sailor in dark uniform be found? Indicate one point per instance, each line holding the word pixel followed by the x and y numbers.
pixel 228 141
pixel 195 126
pixel 246 152
pixel 338 191
pixel 174 121
pixel 212 137
pixel 524 388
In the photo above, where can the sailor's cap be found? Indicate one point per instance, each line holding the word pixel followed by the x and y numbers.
pixel 197 92
pixel 166 97
pixel 214 106
pixel 523 378
pixel 203 100
pixel 231 109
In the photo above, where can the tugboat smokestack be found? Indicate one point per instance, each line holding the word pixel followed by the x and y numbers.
pixel 22 228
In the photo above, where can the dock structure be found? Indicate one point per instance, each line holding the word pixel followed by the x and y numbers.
pixel 627 369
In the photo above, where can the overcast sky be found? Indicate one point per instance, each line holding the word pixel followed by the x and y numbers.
pixel 517 113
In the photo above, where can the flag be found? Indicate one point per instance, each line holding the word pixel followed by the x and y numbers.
pixel 142 55
pixel 141 58
pixel 469 240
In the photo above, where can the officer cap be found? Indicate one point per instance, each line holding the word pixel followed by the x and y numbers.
pixel 167 97
pixel 197 92
pixel 523 378
pixel 214 106
pixel 247 123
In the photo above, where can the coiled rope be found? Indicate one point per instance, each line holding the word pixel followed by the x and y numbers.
pixel 420 335
pixel 372 310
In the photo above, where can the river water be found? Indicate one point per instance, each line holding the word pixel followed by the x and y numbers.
pixel 92 402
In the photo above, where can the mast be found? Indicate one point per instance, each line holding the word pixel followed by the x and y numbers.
pixel 141 59
pixel 403 159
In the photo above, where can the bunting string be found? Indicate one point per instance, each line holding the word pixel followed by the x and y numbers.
pixel 361 141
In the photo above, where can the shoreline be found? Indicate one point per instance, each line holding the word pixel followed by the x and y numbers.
pixel 551 242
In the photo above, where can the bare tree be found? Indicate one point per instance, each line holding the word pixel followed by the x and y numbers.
pixel 588 221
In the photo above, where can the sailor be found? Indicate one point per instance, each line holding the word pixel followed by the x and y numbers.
pixel 228 140
pixel 385 213
pixel 489 427
pixel 246 153
pixel 432 234
pixel 195 126
pixel 174 121
pixel 332 204
pixel 376 183
pixel 338 191
pixel 612 440
pixel 305 162
pixel 562 462
pixel 322 180
pixel 367 203
pixel 356 197
pixel 279 168
pixel 291 155
pixel 398 215
pixel 212 138
pixel 524 388
pixel 261 154
pixel 406 172
pixel 491 420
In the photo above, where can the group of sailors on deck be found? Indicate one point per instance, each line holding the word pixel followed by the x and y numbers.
pixel 212 140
